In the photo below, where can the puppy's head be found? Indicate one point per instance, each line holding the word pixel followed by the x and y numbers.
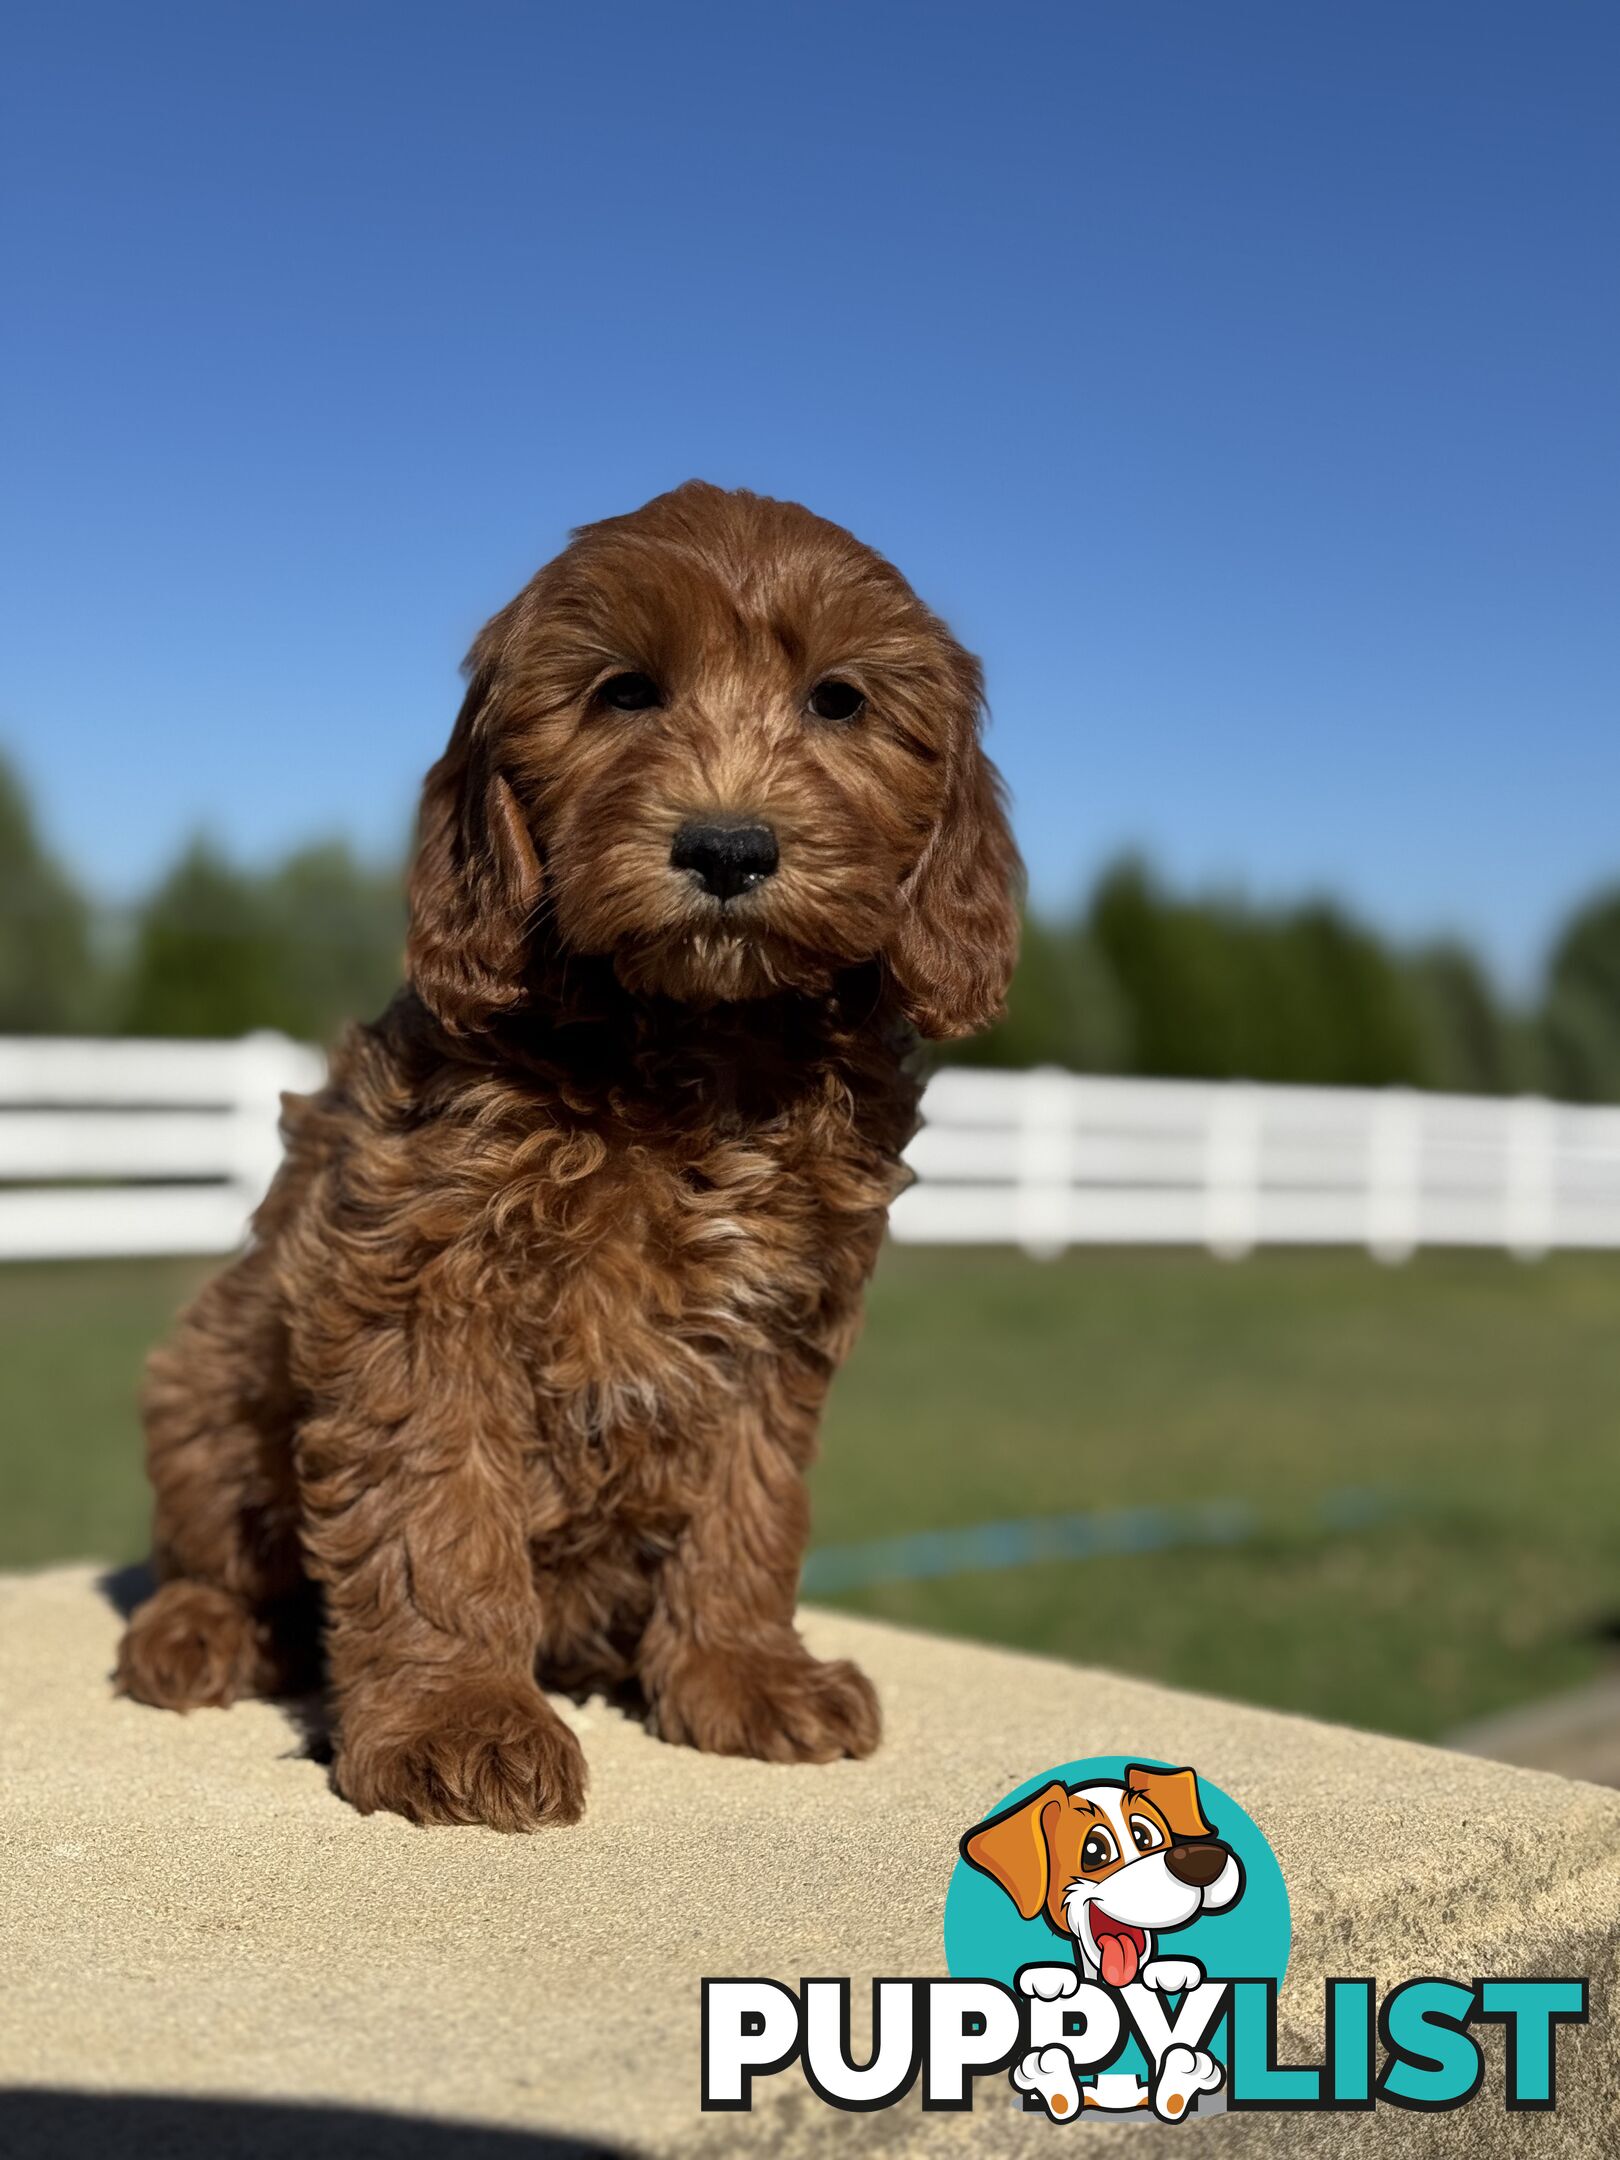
pixel 724 745
pixel 1111 1864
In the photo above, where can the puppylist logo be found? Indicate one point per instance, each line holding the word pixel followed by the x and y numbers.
pixel 1116 1932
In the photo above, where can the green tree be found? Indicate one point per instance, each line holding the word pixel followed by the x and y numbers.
pixel 1173 968
pixel 1580 1021
pixel 1469 1043
pixel 48 978
pixel 204 960
pixel 338 927
pixel 1218 989
pixel 1355 1023
pixel 314 943
pixel 1063 1007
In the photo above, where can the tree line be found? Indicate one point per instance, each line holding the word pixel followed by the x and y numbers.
pixel 1138 979
pixel 1143 980
pixel 214 949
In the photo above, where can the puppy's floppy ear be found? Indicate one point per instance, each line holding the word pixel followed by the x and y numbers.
pixel 1175 1794
pixel 475 880
pixel 953 950
pixel 1013 1850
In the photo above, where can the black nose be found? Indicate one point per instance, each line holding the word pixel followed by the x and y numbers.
pixel 1196 1865
pixel 728 859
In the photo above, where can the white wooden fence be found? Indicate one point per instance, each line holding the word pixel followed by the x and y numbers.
pixel 164 1147
pixel 139 1147
pixel 1050 1159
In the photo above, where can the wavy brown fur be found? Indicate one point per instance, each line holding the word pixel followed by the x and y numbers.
pixel 521 1374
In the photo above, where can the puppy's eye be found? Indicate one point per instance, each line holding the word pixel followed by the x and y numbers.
pixel 630 693
pixel 836 700
pixel 1098 1849
pixel 1145 1835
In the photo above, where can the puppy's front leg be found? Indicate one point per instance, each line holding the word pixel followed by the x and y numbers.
pixel 721 1662
pixel 414 1524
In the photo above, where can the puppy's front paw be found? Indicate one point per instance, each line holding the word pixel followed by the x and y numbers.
pixel 1171 1975
pixel 777 1706
pixel 187 1646
pixel 1048 1983
pixel 493 1752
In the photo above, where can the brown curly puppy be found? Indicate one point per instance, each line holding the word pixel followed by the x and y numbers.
pixel 520 1376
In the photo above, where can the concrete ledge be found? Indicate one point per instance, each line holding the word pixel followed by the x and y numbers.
pixel 187 1913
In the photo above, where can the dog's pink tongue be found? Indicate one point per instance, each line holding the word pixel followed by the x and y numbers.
pixel 1118 1955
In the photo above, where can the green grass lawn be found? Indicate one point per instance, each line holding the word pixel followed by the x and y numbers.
pixel 1483 1398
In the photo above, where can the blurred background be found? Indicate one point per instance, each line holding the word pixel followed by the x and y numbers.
pixel 1240 382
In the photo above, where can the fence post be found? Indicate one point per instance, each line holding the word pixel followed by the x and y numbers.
pixel 1047 1106
pixel 1394 1170
pixel 1530 1171
pixel 1232 1171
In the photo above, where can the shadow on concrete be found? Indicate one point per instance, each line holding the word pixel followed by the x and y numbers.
pixel 126 1587
pixel 129 1586
pixel 44 2125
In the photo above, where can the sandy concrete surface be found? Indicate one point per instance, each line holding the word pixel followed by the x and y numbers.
pixel 203 1951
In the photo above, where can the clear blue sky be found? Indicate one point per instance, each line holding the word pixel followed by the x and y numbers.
pixel 1243 380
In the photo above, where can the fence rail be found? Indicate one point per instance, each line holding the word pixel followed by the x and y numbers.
pixel 1047 1160
pixel 165 1147
pixel 111 1148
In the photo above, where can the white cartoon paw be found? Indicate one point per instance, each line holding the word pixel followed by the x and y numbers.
pixel 1049 2071
pixel 1183 2074
pixel 1049 1983
pixel 1170 1976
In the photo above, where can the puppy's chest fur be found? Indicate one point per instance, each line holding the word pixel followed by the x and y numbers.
pixel 659 1271
pixel 664 1272
pixel 655 1237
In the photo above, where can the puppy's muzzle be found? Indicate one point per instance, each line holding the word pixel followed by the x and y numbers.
pixel 726 860
pixel 1196 1865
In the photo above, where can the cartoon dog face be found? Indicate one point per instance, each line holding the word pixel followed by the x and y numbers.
pixel 1110 1864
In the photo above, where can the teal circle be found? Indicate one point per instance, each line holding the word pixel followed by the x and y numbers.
pixel 986 1939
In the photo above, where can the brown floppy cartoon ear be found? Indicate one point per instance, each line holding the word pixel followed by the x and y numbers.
pixel 474 883
pixel 1175 1794
pixel 953 951
pixel 1012 1849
